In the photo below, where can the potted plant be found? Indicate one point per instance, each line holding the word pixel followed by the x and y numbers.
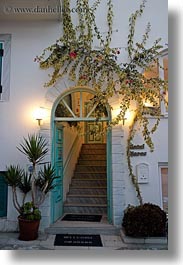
pixel 36 182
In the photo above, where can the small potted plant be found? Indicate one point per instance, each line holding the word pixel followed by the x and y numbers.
pixel 37 183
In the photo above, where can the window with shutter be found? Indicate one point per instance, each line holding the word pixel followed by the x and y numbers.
pixel 159 69
pixel 5 51
pixel 1 67
pixel 3 196
pixel 164 187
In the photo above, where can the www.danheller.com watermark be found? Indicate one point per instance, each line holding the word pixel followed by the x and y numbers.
pixel 37 10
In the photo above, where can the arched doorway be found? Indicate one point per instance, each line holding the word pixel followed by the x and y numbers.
pixel 74 108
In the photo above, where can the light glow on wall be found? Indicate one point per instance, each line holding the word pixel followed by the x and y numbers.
pixel 147 103
pixel 129 115
pixel 39 114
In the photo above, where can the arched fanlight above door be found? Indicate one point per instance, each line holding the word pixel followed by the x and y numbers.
pixel 78 106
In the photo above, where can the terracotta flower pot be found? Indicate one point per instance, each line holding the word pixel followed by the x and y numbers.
pixel 28 229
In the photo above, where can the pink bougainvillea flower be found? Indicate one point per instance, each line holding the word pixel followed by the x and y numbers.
pixel 83 77
pixel 73 55
pixel 129 81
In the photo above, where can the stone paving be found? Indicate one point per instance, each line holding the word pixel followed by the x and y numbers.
pixel 9 241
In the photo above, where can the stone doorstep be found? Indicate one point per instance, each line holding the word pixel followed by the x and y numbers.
pixel 145 240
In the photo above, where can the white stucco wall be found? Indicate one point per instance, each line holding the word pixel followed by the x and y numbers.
pixel 151 191
pixel 26 85
pixel 71 149
pixel 29 38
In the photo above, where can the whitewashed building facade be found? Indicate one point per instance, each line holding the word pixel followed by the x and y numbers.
pixel 23 36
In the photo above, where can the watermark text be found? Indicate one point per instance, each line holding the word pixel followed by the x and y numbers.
pixel 38 10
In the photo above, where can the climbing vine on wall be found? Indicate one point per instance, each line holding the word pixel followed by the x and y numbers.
pixel 74 54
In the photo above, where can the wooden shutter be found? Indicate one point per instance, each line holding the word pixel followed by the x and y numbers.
pixel 5 42
pixel 3 196
pixel 1 67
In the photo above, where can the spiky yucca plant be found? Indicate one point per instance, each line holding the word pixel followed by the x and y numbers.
pixel 39 184
pixel 35 149
pixel 46 178
pixel 13 177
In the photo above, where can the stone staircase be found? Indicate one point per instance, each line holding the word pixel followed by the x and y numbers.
pixel 88 189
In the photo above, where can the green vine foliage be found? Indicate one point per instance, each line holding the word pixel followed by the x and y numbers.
pixel 74 55
pixel 133 177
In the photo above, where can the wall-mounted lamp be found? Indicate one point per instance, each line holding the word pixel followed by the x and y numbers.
pixel 128 115
pixel 39 115
pixel 39 121
pixel 124 119
pixel 147 104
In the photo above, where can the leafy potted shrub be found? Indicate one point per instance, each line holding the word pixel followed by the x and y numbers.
pixel 146 220
pixel 37 183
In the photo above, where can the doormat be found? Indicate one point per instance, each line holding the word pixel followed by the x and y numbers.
pixel 78 240
pixel 82 217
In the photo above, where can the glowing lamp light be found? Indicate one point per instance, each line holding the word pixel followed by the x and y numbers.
pixel 147 103
pixel 128 115
pixel 115 112
pixel 39 114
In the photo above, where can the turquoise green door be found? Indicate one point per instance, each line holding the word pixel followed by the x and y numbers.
pixel 109 176
pixel 57 193
pixel 1 66
pixel 3 196
pixel 64 110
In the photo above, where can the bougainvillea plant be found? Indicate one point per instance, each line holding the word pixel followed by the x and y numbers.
pixel 75 56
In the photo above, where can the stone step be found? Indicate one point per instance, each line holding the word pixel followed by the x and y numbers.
pixel 88 183
pixel 91 175
pixel 93 152
pixel 93 157
pixel 87 228
pixel 87 199
pixel 83 230
pixel 92 162
pixel 88 191
pixel 93 146
pixel 88 188
pixel 85 208
pixel 88 169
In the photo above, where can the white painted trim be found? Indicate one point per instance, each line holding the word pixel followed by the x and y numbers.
pixel 79 119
